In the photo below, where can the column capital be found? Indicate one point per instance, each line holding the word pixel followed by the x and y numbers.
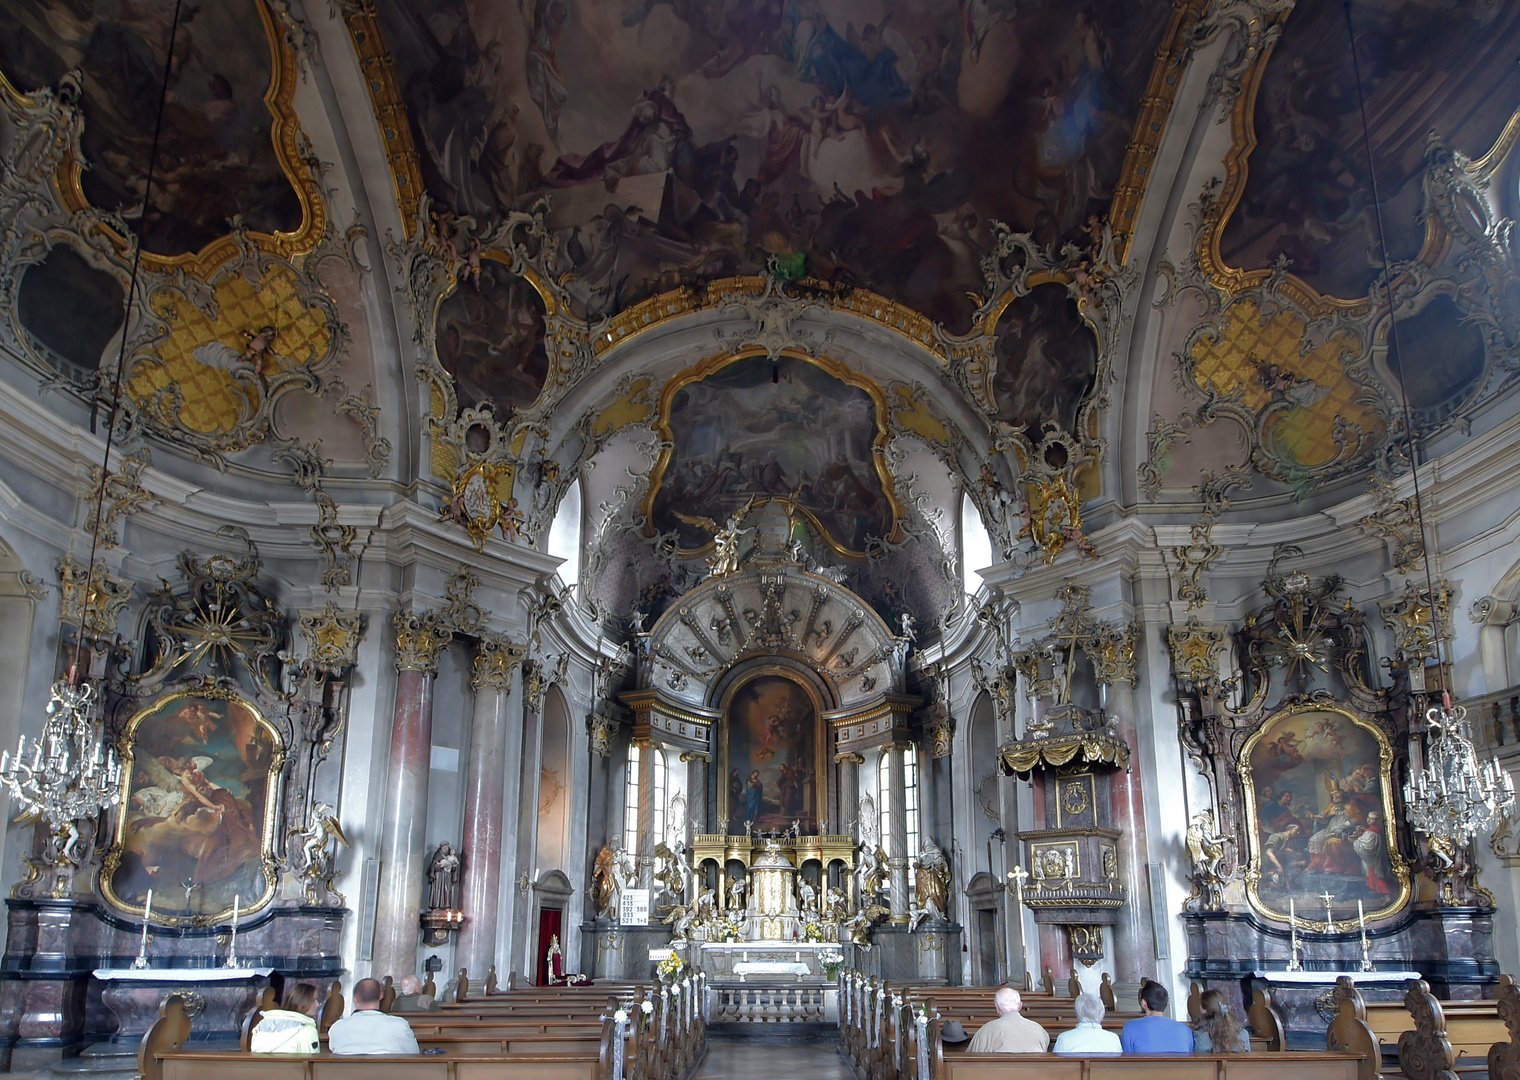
pixel 496 657
pixel 696 755
pixel 849 758
pixel 420 640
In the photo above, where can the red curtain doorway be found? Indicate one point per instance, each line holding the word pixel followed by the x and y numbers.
pixel 549 920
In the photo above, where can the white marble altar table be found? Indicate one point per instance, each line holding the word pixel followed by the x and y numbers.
pixel 770 967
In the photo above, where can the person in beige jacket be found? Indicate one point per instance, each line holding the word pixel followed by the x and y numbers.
pixel 1011 1032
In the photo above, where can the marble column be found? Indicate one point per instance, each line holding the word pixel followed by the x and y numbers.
pixel 897 800
pixel 643 844
pixel 849 812
pixel 420 641
pixel 485 803
pixel 524 948
pixel 1134 946
pixel 696 791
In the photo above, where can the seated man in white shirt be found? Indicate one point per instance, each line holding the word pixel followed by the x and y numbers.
pixel 1089 1036
pixel 367 1030
pixel 1010 1033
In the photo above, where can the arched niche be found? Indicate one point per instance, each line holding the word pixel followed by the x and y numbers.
pixel 554 784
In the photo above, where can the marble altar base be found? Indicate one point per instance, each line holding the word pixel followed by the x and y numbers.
pixel 217 998
pixel 797 961
pixel 1303 998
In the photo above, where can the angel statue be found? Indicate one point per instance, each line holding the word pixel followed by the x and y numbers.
pixel 807 895
pixel 736 889
pixel 1210 858
pixel 834 904
pixel 875 880
pixel 725 556
pixel 679 918
pixel 670 873
pixel 316 855
pixel 443 879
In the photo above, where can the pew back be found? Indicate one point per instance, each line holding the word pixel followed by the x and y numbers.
pixel 1306 1066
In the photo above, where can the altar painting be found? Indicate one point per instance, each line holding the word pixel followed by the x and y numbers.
pixel 771 757
pixel 196 824
pixel 1318 806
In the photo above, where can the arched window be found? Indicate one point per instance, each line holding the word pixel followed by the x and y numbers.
pixel 631 838
pixel 910 803
pixel 976 546
pixel 565 534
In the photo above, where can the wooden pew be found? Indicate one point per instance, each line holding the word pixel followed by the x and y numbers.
pixel 1349 1032
pixel 1504 1056
pixel 1307 1065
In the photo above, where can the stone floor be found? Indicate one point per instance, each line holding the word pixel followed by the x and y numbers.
pixel 751 1059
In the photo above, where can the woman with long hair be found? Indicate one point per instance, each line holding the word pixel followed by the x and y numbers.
pixel 1218 1031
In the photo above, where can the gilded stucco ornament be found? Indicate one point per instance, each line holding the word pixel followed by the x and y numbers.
pixel 420 640
pixel 1195 650
pixel 1209 854
pixel 117 494
pixel 332 637
pixel 1396 521
pixel 98 598
pixel 1193 561
pixel 496 657
pixel 1409 617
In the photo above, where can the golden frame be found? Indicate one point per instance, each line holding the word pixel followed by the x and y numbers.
pixel 1396 861
pixel 829 366
pixel 284 129
pixel 128 753
pixel 822 729
pixel 1311 301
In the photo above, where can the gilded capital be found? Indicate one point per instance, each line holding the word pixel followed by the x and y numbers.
pixel 420 641
pixel 496 657
pixel 96 599
pixel 332 637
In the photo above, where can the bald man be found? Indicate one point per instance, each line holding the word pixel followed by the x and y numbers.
pixel 1010 1033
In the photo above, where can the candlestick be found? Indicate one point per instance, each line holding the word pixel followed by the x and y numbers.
pixel 232 957
pixel 1361 916
pixel 1296 963
pixel 142 949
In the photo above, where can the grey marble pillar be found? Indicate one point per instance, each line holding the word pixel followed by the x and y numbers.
pixel 849 795
pixel 485 804
pixel 420 641
pixel 524 949
pixel 1134 947
pixel 897 800
pixel 645 841
pixel 697 814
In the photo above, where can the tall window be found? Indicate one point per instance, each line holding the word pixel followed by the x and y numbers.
pixel 631 800
pixel 976 546
pixel 910 803
pixel 631 839
pixel 565 534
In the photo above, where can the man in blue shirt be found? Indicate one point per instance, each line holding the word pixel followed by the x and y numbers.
pixel 1155 1032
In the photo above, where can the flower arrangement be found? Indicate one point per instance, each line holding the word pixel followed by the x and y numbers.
pixel 811 931
pixel 728 930
pixel 670 968
pixel 832 960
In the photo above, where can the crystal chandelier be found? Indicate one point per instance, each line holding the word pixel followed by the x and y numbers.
pixel 72 773
pixel 1453 798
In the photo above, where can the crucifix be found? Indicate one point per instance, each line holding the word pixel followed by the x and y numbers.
pixel 190 886
pixel 1018 875
pixel 1329 919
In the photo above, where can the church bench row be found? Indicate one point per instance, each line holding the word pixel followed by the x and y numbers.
pixel 198 1065
pixel 1306 1066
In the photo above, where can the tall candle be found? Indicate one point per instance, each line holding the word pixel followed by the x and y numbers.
pixel 1361 916
pixel 147 914
pixel 235 900
pixel 1292 914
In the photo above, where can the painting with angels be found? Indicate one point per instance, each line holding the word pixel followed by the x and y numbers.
pixel 679 139
pixel 771 752
pixel 1319 806
pixel 198 781
pixel 753 430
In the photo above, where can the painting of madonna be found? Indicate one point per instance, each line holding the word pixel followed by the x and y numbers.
pixel 192 828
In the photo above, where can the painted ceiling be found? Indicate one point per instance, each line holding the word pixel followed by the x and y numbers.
pixel 962 178
pixel 697 138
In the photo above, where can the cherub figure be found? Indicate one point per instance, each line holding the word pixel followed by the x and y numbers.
pixel 260 350
pixel 472 262
pixel 511 521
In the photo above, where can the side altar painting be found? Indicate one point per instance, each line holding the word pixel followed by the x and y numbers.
pixel 198 808
pixel 1318 806
pixel 771 755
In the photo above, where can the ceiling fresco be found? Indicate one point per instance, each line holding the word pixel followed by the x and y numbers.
pixel 490 338
pixel 683 140
pixel 1303 189
pixel 749 431
pixel 1047 360
pixel 218 153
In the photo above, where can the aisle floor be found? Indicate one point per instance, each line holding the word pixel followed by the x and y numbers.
pixel 753 1059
